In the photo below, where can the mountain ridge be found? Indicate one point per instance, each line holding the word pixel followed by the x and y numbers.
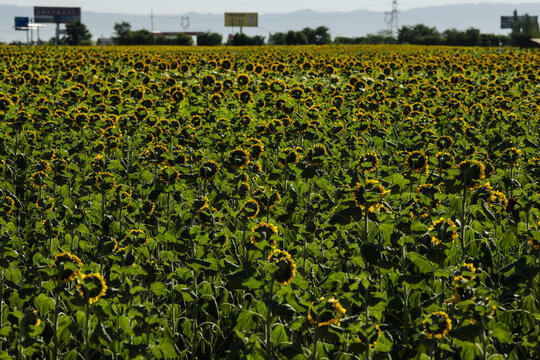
pixel 485 17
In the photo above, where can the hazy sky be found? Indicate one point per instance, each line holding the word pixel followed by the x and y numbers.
pixel 261 6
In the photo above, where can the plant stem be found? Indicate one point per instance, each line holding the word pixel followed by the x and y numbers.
pixel 87 337
pixel 268 321
pixel 462 228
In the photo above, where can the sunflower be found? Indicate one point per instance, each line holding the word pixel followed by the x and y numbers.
pixel 37 179
pixel 168 175
pixel 286 268
pixel 437 324
pixel 511 156
pixel 443 231
pixel 288 156
pixel 45 204
pixel 208 170
pixel 8 204
pixel 238 158
pixel 226 64
pixel 92 287
pixel 466 267
pixel 444 142
pixel 417 162
pixel 325 312
pixel 264 231
pixel 316 155
pixel 470 172
pixel 208 80
pixel 534 243
pixel 489 168
pixel 245 97
pixel 148 208
pixel 429 191
pixel 66 275
pixel 250 209
pixel 370 335
pixel 369 194
pixel 368 162
pixel 242 80
pixel 445 161
pixel 255 151
pixel 418 211
pixel 497 200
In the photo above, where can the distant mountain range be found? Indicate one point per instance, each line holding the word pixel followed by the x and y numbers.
pixel 485 17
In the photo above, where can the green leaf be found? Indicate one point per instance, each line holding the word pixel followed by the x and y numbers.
pixel 165 349
pixel 44 304
pixel 14 275
pixel 502 333
pixel 383 344
pixel 279 335
pixel 158 288
pixel 247 320
pixel 424 265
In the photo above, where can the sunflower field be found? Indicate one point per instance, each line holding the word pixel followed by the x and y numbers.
pixel 331 202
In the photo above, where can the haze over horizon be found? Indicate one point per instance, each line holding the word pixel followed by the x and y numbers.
pixel 169 7
pixel 483 16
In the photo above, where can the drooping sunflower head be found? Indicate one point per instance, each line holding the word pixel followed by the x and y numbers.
pixel 429 191
pixel 466 271
pixel 7 205
pixel 368 162
pixel 437 324
pixel 497 201
pixel 417 162
pixel 288 156
pixel 208 170
pixel 471 171
pixel 444 142
pixel 511 156
pixel 264 231
pixel 245 96
pixel 250 209
pixel 443 231
pixel 369 334
pixel 285 266
pixel 445 161
pixel 369 194
pixel 92 287
pixel 238 158
pixel 325 312
pixel 67 273
pixel 317 154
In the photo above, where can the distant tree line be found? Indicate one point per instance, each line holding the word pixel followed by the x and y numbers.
pixel 306 36
pixel 123 35
pixel 523 29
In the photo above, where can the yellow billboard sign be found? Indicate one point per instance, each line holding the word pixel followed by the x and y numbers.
pixel 241 19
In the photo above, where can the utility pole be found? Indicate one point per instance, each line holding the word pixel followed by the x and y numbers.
pixel 391 18
pixel 152 24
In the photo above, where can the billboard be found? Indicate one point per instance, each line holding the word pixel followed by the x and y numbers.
pixel 506 21
pixel 48 14
pixel 241 19
pixel 21 23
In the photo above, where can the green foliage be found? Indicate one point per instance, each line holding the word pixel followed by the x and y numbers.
pixel 264 203
pixel 77 34
pixel 209 39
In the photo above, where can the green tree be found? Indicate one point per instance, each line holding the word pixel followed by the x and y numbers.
pixel 209 39
pixel 245 40
pixel 523 29
pixel 121 32
pixel 77 34
pixel 419 34
pixel 296 38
